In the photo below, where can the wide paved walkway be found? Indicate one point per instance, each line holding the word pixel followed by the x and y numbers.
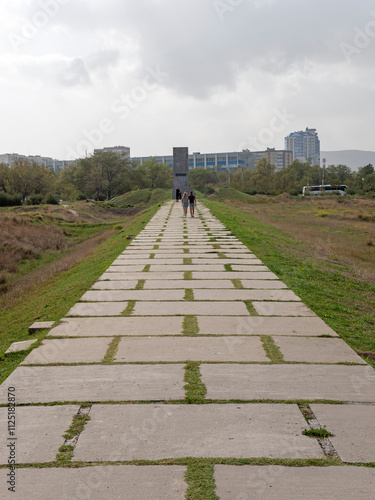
pixel 189 347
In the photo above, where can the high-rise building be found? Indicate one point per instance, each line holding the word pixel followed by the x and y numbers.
pixel 305 145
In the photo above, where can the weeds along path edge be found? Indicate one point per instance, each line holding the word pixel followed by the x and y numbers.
pixel 51 299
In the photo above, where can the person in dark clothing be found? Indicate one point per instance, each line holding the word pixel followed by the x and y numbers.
pixel 178 194
pixel 192 203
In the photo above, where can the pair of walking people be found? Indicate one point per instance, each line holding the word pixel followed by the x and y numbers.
pixel 188 201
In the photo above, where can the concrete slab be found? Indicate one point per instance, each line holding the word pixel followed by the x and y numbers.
pixel 278 295
pixel 125 482
pixel 274 482
pixel 239 267
pixel 263 325
pixel 125 269
pixel 186 267
pixel 141 276
pixel 114 285
pixel 38 432
pixel 353 427
pixel 176 431
pixel 119 295
pixel 109 327
pixel 68 351
pixel 238 257
pixel 288 382
pixel 40 325
pixel 282 309
pixel 317 350
pixel 47 384
pixel 20 346
pixel 247 262
pixel 234 275
pixel 129 255
pixel 263 284
pixel 191 349
pixel 98 309
pixel 187 308
pixel 146 262
pixel 173 284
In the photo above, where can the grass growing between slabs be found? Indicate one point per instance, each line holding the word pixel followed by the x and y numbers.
pixel 52 299
pixel 345 303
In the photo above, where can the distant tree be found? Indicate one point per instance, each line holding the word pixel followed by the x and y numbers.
pixel 152 174
pixel 264 177
pixel 22 178
pixel 4 174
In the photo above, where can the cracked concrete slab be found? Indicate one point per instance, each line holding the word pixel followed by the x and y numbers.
pixel 274 482
pixel 289 382
pixel 264 325
pixel 125 482
pixel 154 432
pixel 38 433
pixel 53 351
pixel 190 308
pixel 353 427
pixel 317 350
pixel 47 384
pixel 191 349
pixel 117 326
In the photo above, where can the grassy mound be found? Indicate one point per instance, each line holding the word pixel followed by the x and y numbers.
pixel 142 197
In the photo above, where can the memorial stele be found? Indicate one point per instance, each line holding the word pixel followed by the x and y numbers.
pixel 181 171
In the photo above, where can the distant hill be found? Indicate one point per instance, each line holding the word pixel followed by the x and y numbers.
pixel 353 158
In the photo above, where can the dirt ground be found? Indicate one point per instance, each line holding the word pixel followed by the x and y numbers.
pixel 339 230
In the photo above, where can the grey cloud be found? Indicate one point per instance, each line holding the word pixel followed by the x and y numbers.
pixel 75 74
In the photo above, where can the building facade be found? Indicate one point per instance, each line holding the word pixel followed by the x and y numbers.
pixel 123 150
pixel 51 163
pixel 218 161
pixel 305 145
pixel 281 158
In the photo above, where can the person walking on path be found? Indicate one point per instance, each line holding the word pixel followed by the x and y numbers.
pixel 185 203
pixel 192 203
pixel 178 194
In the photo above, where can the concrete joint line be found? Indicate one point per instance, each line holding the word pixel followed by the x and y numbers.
pixel 314 424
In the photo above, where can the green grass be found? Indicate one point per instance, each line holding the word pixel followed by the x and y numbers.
pixel 195 389
pixel 189 294
pixel 112 351
pixel 237 284
pixel 142 197
pixel 272 350
pixel 129 308
pixel 200 479
pixel 345 304
pixel 190 326
pixel 51 300
pixel 317 433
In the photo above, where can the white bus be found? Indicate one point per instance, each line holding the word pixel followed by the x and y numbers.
pixel 325 189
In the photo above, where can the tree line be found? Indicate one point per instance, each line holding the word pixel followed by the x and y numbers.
pixel 101 176
pixel 106 174
pixel 265 179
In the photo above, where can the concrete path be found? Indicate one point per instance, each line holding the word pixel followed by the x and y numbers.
pixel 189 348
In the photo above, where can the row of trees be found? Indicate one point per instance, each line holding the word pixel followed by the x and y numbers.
pixel 264 179
pixel 104 175
pixel 101 176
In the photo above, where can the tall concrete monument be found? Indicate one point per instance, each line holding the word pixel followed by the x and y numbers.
pixel 180 171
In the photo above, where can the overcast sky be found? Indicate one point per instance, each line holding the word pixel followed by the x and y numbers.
pixel 213 75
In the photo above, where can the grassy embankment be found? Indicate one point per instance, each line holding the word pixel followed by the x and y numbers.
pixel 46 282
pixel 322 249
